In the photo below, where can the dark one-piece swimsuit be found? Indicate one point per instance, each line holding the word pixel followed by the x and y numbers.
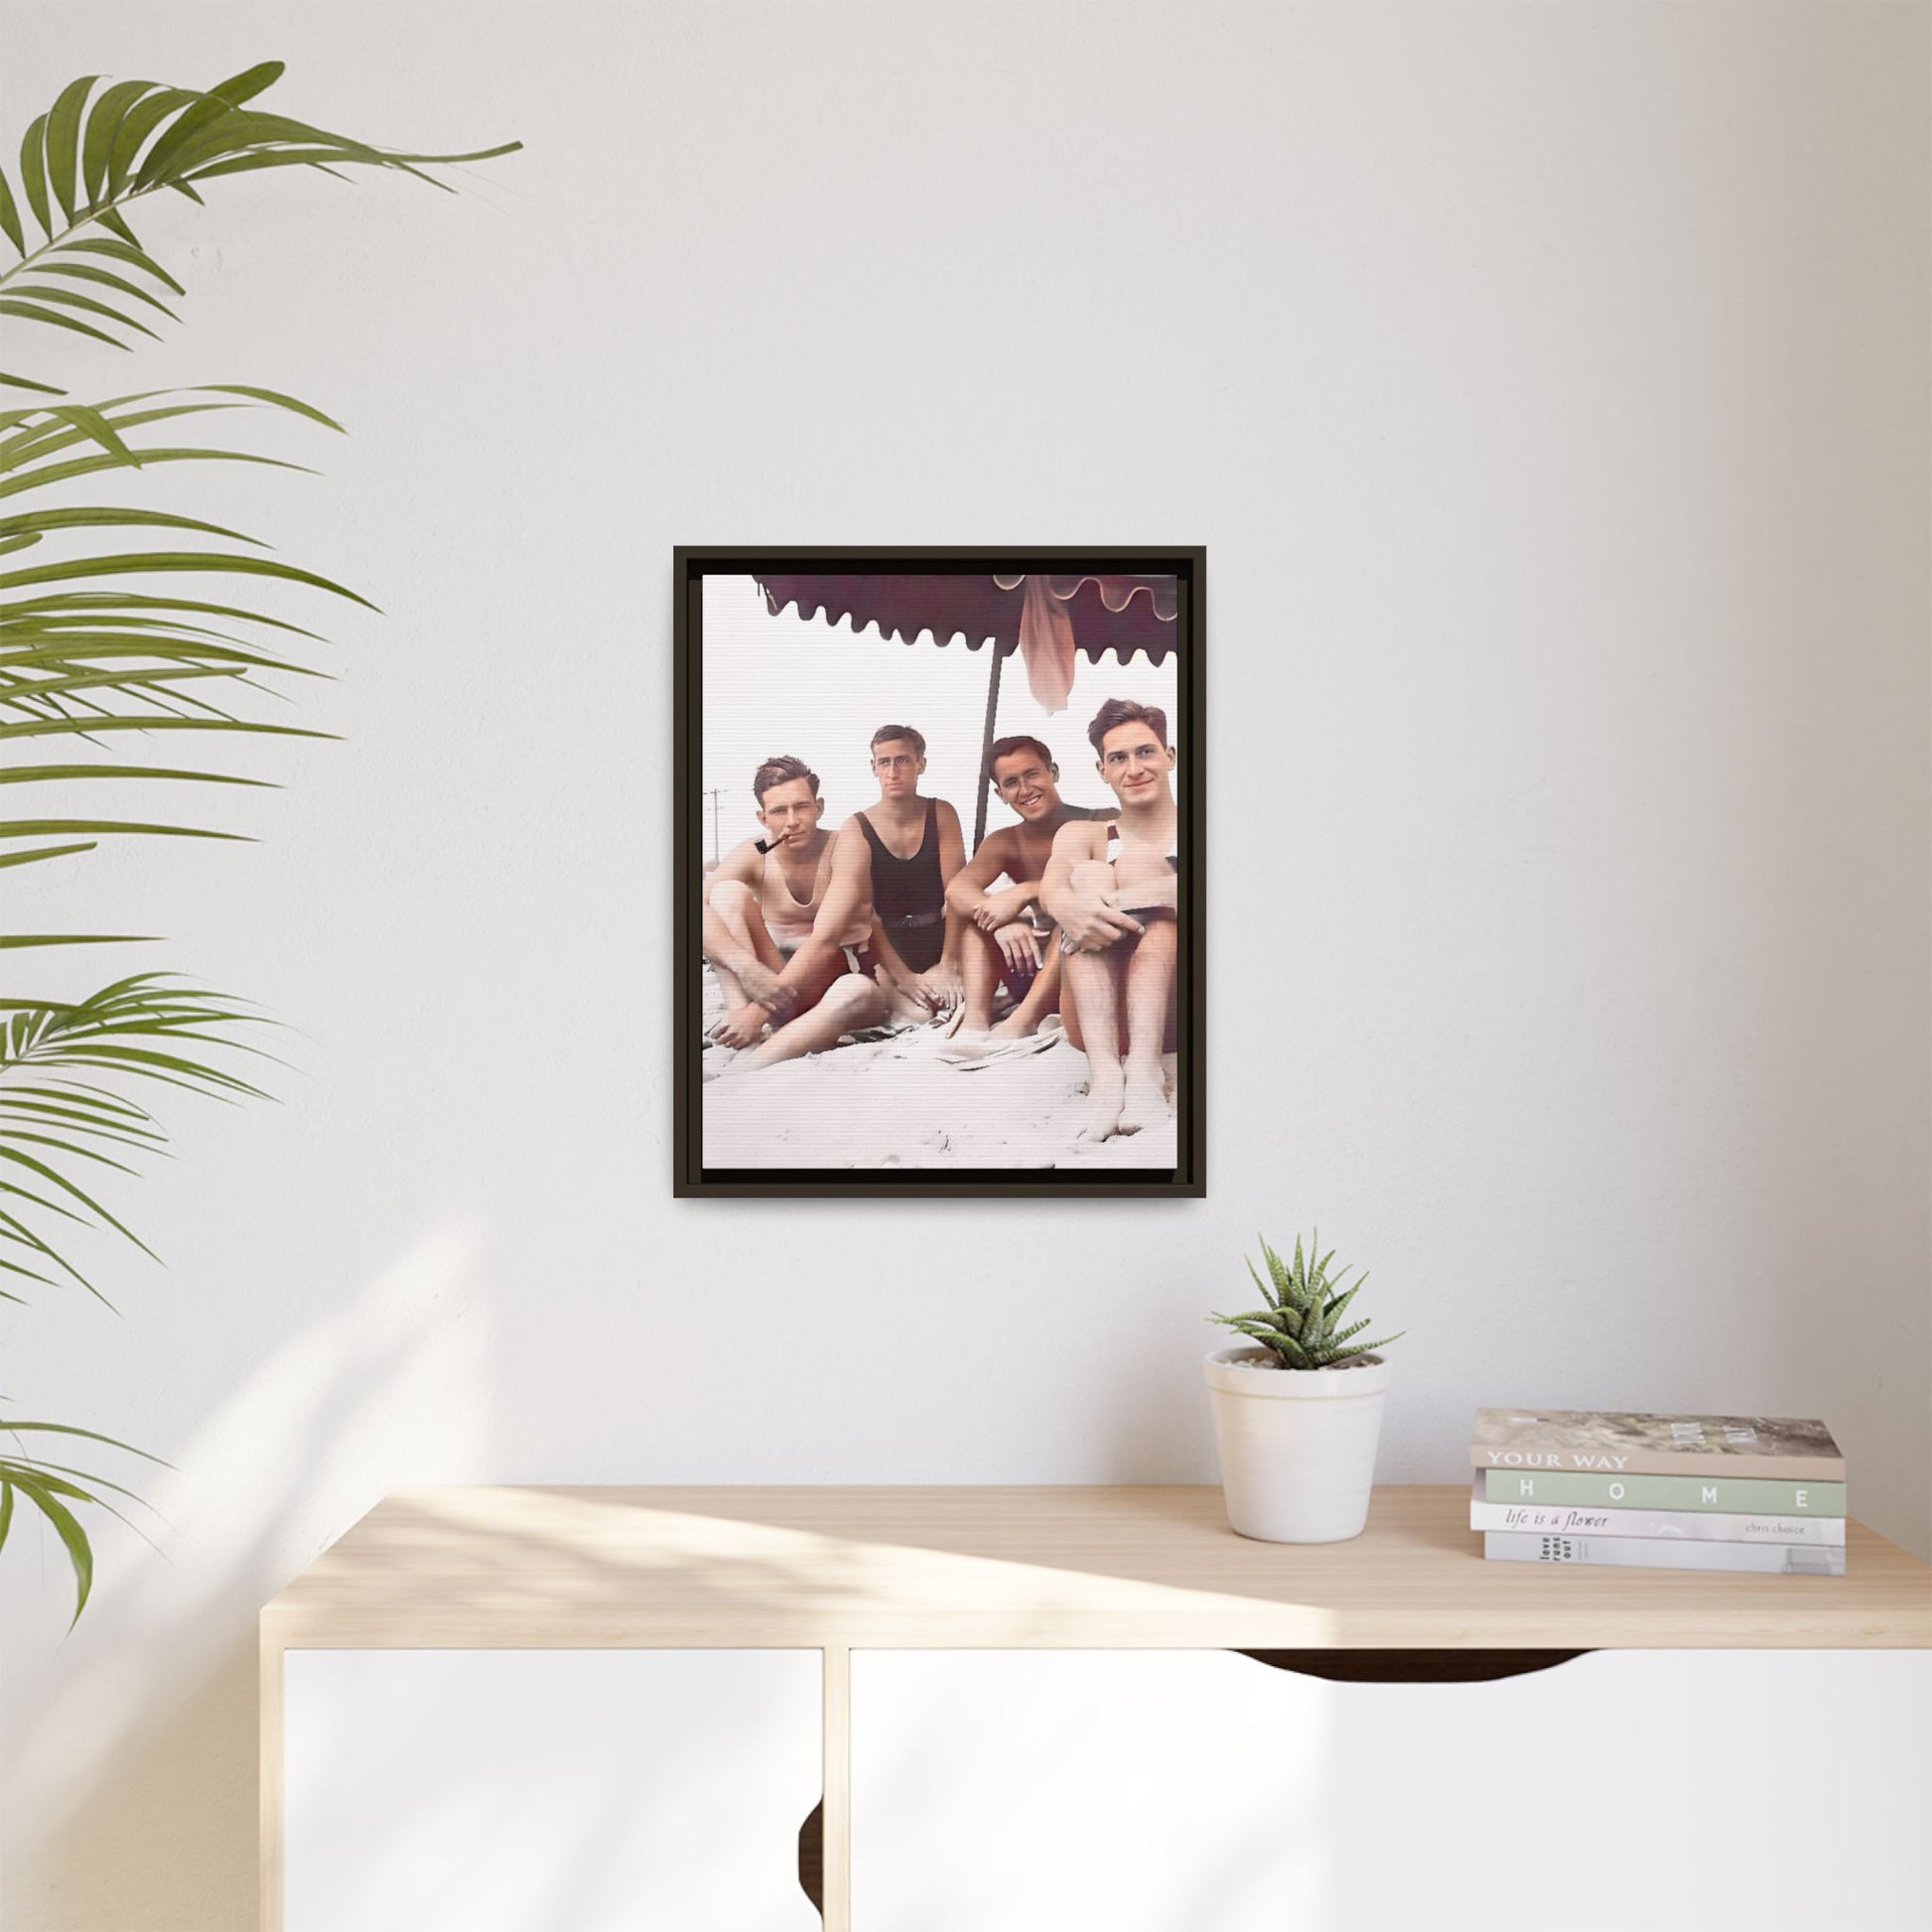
pixel 910 895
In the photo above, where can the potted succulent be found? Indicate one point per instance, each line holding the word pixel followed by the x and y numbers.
pixel 1297 1415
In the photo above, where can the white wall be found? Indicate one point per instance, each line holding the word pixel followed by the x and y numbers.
pixel 1548 387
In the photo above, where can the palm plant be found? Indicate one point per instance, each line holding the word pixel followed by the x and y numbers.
pixel 102 646
pixel 1301 1323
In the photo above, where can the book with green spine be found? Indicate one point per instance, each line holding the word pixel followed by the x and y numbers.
pixel 1749 1496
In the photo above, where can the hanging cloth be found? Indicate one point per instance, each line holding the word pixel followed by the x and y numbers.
pixel 1046 644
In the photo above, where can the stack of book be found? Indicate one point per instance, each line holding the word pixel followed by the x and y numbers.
pixel 1663 1492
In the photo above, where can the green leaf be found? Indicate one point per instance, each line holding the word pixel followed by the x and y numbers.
pixel 41 853
pixel 19 941
pixel 27 382
pixel 1284 1282
pixel 88 727
pixel 78 1119
pixel 64 142
pixel 136 125
pixel 6 1511
pixel 79 1552
pixel 10 215
pixel 65 774
pixel 75 520
pixel 103 121
pixel 115 222
pixel 33 174
pixel 56 473
pixel 17 1134
pixel 249 82
pixel 36 1467
pixel 205 114
pixel 72 299
pixel 1267 1293
pixel 106 279
pixel 23 828
pixel 32 312
pixel 163 560
pixel 133 257
pixel 76 1193
pixel 1292 1351
pixel 10 1428
pixel 253 163
pixel 275 398
pixel 150 682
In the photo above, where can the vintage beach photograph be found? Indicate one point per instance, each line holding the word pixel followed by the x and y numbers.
pixel 934 915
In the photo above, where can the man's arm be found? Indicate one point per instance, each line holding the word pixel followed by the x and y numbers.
pixel 1086 917
pixel 999 855
pixel 952 862
pixel 742 864
pixel 967 890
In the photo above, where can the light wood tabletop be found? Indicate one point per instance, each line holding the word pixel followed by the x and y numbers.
pixel 1046 1566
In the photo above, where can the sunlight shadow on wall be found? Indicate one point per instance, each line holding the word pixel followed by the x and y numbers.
pixel 393 1387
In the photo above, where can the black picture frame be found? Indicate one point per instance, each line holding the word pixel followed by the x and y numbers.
pixel 691 565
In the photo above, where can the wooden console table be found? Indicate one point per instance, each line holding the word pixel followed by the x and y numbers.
pixel 836 1570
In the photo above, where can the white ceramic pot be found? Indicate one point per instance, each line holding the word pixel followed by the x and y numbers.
pixel 1298 1446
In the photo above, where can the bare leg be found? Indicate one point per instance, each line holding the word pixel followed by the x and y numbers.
pixel 982 974
pixel 738 908
pixel 1149 996
pixel 851 1001
pixel 1092 980
pixel 1090 985
pixel 1042 995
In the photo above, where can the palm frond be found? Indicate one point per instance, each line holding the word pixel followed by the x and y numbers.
pixel 144 1028
pixel 97 645
pixel 53 1488
pixel 97 642
pixel 94 154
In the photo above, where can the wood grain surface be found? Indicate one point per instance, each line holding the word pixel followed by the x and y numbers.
pixel 849 1567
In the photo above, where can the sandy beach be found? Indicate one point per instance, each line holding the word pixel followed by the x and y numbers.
pixel 892 1103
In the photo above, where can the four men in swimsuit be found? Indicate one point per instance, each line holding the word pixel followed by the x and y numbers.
pixel 812 934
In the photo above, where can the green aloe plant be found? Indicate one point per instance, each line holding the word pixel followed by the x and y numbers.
pixel 109 650
pixel 1301 1323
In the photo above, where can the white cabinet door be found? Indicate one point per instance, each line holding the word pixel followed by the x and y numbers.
pixel 537 1790
pixel 1200 1791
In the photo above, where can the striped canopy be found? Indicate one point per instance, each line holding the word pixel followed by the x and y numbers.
pixel 1049 618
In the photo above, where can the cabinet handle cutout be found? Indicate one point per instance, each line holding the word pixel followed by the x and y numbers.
pixel 811 1858
pixel 1413 1666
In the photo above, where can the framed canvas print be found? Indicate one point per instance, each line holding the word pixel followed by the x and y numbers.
pixel 939 872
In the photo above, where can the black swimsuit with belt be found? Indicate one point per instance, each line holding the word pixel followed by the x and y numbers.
pixel 910 895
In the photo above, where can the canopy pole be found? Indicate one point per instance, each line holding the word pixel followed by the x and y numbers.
pixel 985 746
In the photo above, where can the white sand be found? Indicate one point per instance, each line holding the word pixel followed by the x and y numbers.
pixel 885 1104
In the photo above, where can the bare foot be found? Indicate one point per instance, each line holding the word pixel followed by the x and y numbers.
pixel 1145 1105
pixel 1106 1090
pixel 1010 1028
